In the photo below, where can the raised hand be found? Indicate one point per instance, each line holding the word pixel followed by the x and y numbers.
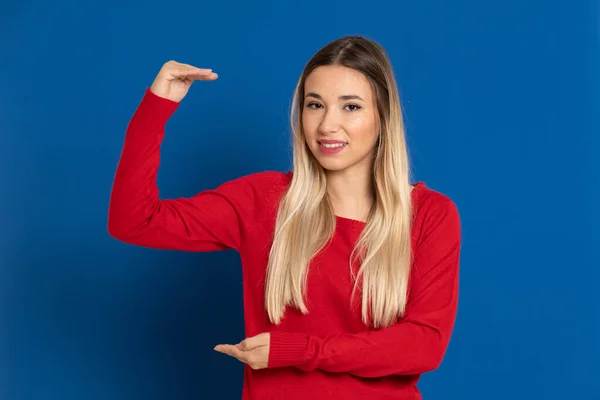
pixel 175 79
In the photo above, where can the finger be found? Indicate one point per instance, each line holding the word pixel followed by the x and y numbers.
pixel 177 65
pixel 190 72
pixel 231 351
pixel 202 76
pixel 248 344
pixel 223 348
pixel 228 349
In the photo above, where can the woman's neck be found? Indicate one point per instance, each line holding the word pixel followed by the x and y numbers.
pixel 351 193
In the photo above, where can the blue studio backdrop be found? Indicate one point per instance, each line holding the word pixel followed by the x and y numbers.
pixel 501 101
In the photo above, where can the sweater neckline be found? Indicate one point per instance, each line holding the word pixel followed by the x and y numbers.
pixel 354 223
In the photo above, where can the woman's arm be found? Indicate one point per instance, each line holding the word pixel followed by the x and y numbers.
pixel 210 220
pixel 414 345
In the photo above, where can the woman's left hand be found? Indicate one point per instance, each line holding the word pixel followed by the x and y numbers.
pixel 253 351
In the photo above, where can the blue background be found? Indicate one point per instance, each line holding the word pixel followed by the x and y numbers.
pixel 502 109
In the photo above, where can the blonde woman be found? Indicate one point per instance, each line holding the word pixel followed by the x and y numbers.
pixel 350 271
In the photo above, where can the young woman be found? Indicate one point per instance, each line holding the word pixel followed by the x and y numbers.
pixel 350 271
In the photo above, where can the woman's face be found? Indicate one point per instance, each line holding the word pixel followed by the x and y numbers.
pixel 340 119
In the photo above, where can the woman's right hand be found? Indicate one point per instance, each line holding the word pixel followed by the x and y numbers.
pixel 174 80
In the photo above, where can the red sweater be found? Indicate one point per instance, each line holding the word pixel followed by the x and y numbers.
pixel 329 353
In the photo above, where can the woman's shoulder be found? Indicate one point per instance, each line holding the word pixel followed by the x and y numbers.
pixel 424 194
pixel 432 207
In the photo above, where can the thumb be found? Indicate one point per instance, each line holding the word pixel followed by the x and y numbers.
pixel 248 344
pixel 243 345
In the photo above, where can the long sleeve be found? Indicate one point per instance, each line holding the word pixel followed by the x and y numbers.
pixel 210 220
pixel 414 345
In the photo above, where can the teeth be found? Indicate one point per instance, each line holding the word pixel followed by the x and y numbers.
pixel 333 146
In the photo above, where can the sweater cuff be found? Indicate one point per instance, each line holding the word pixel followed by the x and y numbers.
pixel 287 349
pixel 154 111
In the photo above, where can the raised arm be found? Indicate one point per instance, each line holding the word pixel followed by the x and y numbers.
pixel 208 221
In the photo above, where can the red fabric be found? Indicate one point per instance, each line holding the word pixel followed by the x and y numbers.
pixel 329 353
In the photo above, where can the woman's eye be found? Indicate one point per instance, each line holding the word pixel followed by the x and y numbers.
pixel 353 107
pixel 313 105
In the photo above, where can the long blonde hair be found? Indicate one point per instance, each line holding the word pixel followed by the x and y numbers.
pixel 305 219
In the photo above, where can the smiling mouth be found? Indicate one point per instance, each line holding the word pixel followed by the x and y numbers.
pixel 332 145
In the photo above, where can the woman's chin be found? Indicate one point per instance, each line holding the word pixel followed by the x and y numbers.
pixel 332 165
